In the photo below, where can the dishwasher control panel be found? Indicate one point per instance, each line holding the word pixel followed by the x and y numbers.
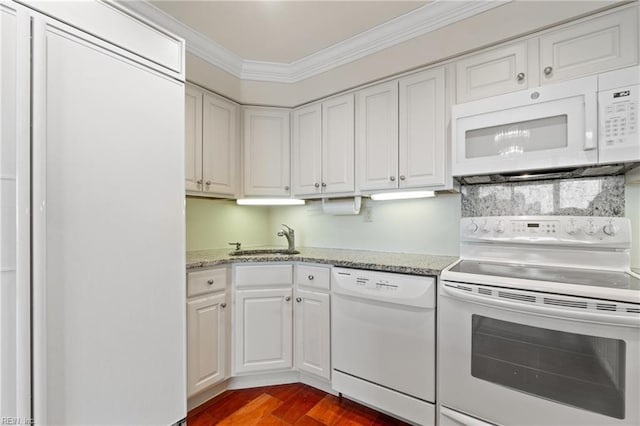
pixel 411 290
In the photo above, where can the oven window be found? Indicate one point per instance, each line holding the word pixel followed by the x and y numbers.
pixel 574 369
pixel 514 139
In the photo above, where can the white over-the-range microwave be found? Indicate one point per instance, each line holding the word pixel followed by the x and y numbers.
pixel 583 122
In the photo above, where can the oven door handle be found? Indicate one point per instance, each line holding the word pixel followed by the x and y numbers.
pixel 629 320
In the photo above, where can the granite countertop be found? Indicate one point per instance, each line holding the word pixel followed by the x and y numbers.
pixel 404 263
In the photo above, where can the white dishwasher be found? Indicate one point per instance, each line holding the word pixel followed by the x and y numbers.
pixel 383 329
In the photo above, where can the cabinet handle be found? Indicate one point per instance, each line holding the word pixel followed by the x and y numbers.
pixel 199 181
pixel 208 182
pixel 298 299
pixel 324 185
pixel 223 305
pixel 310 277
pixel 287 298
pixel 317 185
pixel 548 71
pixel 402 177
pixel 392 178
pixel 520 76
pixel 210 282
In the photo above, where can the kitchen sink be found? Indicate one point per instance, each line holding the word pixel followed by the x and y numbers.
pixel 254 252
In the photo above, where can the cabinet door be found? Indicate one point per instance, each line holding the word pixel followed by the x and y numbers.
pixel 338 145
pixel 263 330
pixel 266 152
pixel 193 139
pixel 377 136
pixel 219 146
pixel 422 130
pixel 590 47
pixel 307 150
pixel 206 342
pixel 312 352
pixel 492 72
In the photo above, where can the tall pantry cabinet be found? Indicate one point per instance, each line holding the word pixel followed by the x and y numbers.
pixel 103 95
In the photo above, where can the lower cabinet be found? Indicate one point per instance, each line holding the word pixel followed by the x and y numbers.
pixel 312 338
pixel 263 330
pixel 207 329
pixel 279 328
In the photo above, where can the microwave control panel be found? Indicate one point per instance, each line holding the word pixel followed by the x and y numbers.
pixel 619 116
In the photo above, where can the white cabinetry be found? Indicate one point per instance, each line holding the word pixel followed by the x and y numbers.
pixel 401 133
pixel 422 142
pixel 263 326
pixel 377 136
pixel 211 144
pixel 266 152
pixel 590 46
pixel 323 148
pixel 595 45
pixel 312 321
pixel 492 72
pixel 207 329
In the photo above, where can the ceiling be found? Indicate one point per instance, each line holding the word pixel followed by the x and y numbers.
pixel 282 31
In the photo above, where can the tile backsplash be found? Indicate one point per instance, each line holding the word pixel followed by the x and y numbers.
pixel 601 196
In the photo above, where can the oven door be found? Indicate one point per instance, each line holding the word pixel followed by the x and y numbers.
pixel 515 357
pixel 541 128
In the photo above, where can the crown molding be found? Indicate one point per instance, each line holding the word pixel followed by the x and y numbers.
pixel 430 17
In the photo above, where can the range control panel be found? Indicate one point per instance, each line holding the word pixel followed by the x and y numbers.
pixel 547 229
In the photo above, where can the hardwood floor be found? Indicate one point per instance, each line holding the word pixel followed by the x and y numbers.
pixel 291 404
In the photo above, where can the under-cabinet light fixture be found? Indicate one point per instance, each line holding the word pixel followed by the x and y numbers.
pixel 383 196
pixel 269 202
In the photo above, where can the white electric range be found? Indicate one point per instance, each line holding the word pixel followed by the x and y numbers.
pixel 540 323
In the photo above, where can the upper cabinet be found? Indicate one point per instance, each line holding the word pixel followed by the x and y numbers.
pixel 423 138
pixel 323 148
pixel 401 133
pixel 492 72
pixel 211 144
pixel 596 45
pixel 377 136
pixel 588 47
pixel 266 152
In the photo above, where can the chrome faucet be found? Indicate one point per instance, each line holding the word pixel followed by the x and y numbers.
pixel 290 235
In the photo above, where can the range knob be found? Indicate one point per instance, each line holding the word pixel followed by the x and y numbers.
pixel 472 228
pixel 610 229
pixel 500 227
pixel 571 228
pixel 485 227
pixel 590 228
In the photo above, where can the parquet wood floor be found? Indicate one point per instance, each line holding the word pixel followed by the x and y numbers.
pixel 291 404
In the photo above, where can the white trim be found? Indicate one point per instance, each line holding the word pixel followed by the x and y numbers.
pixel 430 17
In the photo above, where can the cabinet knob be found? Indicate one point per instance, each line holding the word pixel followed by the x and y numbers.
pixel 402 177
pixel 392 178
pixel 310 277
pixel 324 185
pixel 288 298
pixel 199 181
pixel 286 188
pixel 298 299
pixel 208 182
pixel 223 305
pixel 520 76
pixel 548 70
pixel 317 185
pixel 210 282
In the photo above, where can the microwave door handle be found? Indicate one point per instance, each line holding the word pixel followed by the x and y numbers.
pixel 528 307
pixel 591 121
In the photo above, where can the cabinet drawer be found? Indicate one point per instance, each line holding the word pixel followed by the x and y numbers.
pixel 261 275
pixel 313 276
pixel 206 281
